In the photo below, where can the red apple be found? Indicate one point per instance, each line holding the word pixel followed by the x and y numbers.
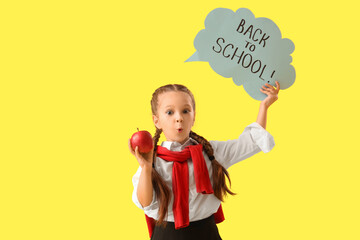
pixel 143 140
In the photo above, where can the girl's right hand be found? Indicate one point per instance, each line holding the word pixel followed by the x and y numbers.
pixel 144 159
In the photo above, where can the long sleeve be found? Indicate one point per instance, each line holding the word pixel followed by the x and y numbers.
pixel 252 140
pixel 153 205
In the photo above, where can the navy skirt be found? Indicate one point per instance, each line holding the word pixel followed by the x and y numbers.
pixel 204 229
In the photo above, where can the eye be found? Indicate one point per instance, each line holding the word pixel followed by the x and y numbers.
pixel 186 111
pixel 169 112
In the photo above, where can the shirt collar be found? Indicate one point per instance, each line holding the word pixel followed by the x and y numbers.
pixel 176 146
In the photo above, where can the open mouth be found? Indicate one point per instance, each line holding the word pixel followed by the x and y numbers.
pixel 179 130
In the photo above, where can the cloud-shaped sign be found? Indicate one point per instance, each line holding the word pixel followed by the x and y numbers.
pixel 250 50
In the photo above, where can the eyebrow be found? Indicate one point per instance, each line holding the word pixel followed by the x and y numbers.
pixel 186 105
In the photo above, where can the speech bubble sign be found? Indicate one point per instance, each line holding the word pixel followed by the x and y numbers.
pixel 249 50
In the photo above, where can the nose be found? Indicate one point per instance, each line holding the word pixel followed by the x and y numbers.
pixel 179 118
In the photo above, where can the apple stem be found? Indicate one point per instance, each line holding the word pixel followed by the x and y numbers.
pixel 137 129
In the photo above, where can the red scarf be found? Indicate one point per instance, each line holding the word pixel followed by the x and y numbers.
pixel 180 183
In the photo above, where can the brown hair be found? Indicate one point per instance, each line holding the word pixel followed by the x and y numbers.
pixel 162 191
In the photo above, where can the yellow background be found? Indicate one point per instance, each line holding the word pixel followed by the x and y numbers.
pixel 76 81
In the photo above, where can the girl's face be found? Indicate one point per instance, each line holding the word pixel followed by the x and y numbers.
pixel 175 115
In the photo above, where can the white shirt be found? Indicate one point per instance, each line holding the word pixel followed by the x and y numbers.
pixel 253 140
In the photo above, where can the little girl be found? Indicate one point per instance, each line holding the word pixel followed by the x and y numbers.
pixel 180 185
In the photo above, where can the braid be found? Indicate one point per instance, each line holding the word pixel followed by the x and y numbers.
pixel 219 172
pixel 162 191
pixel 156 140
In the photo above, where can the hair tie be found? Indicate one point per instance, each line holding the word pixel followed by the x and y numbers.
pixel 211 158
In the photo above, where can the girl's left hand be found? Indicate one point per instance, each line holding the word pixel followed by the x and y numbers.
pixel 271 92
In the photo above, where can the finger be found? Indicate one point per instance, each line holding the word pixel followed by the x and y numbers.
pixel 152 150
pixel 270 87
pixel 272 90
pixel 266 89
pixel 131 149
pixel 277 86
pixel 137 154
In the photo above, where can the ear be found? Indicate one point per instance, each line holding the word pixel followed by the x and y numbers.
pixel 156 121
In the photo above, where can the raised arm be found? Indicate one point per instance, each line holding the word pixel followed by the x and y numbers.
pixel 144 187
pixel 272 96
